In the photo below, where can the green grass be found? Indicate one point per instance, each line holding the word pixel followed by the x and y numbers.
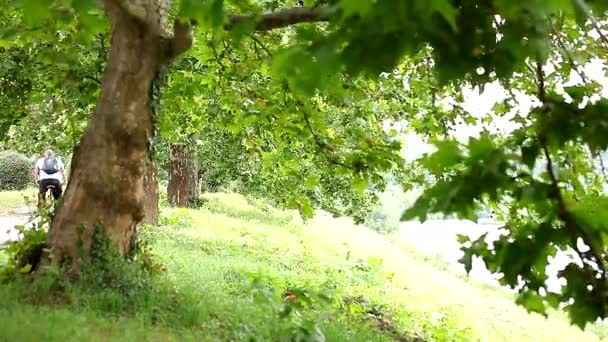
pixel 227 266
pixel 11 201
pixel 55 324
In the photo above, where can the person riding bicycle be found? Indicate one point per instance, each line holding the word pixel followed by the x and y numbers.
pixel 49 173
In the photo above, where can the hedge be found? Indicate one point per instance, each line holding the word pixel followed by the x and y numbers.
pixel 15 171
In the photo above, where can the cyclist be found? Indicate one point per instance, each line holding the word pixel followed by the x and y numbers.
pixel 49 173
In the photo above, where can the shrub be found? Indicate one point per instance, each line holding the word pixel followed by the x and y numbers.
pixel 382 220
pixel 15 171
pixel 385 217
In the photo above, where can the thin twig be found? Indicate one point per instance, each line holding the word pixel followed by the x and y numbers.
pixel 259 42
pixel 257 51
pixel 96 80
pixel 542 96
pixel 598 29
pixel 594 23
pixel 601 159
pixel 561 44
pixel 321 144
pixel 429 73
pixel 540 77
pixel 533 71
pixel 571 224
pixel 217 57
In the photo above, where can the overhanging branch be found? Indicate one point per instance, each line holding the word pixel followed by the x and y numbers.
pixel 283 18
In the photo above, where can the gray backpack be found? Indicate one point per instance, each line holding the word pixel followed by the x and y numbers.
pixel 50 165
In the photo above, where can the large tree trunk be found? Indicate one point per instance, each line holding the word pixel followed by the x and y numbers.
pixel 151 209
pixel 183 187
pixel 106 185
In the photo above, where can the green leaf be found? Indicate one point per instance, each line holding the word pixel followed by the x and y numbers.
pixel 217 13
pixel 312 181
pixel 467 261
pixel 529 154
pixel 359 7
pixel 463 238
pixel 26 269
pixel 37 11
pixel 360 183
pixel 307 210
pixel 447 155
pixel 84 6
pixel 581 11
pixel 447 11
pixel 206 12
pixel 532 302
pixel 420 210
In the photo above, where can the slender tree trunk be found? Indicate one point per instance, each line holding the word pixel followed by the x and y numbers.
pixel 106 186
pixel 183 185
pixel 151 209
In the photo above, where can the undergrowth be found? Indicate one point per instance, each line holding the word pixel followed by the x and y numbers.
pixel 107 281
pixel 227 272
pixel 136 286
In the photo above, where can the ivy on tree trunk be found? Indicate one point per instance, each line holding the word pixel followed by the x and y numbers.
pixel 107 184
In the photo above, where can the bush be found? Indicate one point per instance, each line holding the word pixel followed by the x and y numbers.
pixel 382 220
pixel 15 171
pixel 385 217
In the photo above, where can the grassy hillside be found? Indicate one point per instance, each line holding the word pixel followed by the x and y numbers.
pixel 230 267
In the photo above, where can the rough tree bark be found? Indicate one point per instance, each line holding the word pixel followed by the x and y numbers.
pixel 151 209
pixel 183 185
pixel 106 186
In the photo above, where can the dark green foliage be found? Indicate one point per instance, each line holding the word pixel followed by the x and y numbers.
pixel 489 173
pixel 15 171
pixel 106 268
pixel 267 144
pixel 48 86
pixel 25 254
pixel 108 280
pixel 298 115
pixel 203 295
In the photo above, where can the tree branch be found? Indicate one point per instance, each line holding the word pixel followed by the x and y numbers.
pixel 598 29
pixel 323 147
pixel 569 57
pixel 572 225
pixel 94 79
pixel 582 5
pixel 259 42
pixel 570 221
pixel 540 78
pixel 601 159
pixel 283 18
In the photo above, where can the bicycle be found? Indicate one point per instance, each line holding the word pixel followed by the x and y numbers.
pixel 47 195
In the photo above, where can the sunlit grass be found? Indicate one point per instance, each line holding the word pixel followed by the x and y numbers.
pixel 12 201
pixel 220 256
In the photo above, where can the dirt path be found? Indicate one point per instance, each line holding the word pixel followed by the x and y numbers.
pixel 9 221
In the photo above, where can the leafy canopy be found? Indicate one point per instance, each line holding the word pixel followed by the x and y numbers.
pixel 333 103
